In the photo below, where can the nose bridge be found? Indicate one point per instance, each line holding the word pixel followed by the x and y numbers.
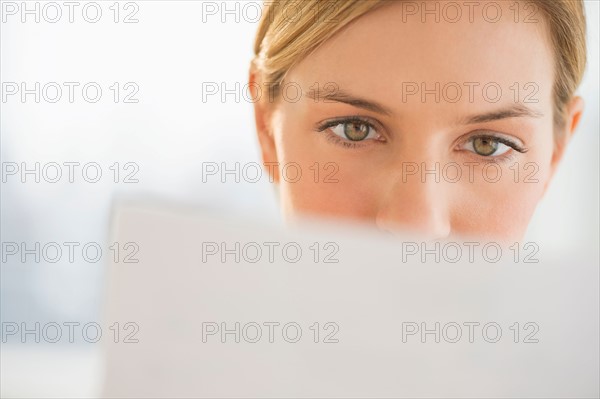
pixel 417 201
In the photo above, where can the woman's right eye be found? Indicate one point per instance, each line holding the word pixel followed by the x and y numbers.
pixel 355 131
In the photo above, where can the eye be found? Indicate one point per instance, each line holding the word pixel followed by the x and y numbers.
pixel 488 146
pixel 354 131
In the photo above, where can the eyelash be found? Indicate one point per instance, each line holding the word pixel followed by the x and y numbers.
pixel 502 140
pixel 334 138
pixel 371 125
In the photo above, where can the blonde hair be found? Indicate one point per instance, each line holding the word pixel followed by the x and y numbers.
pixel 290 30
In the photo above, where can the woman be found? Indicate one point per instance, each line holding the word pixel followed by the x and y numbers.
pixel 442 119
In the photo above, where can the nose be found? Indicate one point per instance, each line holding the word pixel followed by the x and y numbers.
pixel 416 206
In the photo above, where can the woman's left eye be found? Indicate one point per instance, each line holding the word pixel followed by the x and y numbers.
pixel 354 131
pixel 486 146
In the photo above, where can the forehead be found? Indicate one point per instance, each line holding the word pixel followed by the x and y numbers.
pixel 392 45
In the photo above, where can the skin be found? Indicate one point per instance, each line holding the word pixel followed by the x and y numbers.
pixel 374 180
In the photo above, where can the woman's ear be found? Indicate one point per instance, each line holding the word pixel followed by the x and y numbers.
pixel 263 109
pixel 563 136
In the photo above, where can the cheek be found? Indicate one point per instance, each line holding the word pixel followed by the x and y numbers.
pixel 500 210
pixel 338 193
pixel 334 182
pixel 503 209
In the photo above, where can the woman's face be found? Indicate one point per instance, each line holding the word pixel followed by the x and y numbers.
pixel 436 128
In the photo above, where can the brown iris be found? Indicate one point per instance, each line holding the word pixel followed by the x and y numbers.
pixel 356 131
pixel 485 146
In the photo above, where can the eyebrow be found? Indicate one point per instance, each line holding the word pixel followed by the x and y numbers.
pixel 346 98
pixel 516 111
